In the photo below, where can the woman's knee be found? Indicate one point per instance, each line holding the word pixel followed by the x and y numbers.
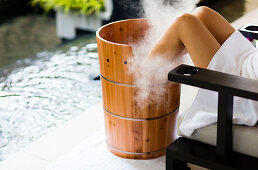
pixel 186 20
pixel 202 11
pixel 205 14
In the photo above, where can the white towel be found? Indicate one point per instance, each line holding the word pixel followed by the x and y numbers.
pixel 236 56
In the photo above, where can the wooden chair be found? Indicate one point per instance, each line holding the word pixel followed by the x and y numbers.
pixel 199 149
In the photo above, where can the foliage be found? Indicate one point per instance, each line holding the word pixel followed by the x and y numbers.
pixel 85 7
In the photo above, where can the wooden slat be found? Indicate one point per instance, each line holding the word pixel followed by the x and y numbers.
pixel 204 155
pixel 140 136
pixel 120 100
pixel 139 130
pixel 113 48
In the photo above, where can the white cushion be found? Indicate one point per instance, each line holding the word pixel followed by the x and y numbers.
pixel 245 138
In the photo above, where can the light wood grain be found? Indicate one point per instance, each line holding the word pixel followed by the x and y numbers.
pixel 140 136
pixel 148 127
pixel 120 100
pixel 113 48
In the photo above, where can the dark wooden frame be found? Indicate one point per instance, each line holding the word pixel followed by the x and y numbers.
pixel 220 157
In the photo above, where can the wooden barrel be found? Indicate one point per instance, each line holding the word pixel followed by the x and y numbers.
pixel 132 131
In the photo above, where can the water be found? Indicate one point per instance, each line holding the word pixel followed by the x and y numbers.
pixel 45 92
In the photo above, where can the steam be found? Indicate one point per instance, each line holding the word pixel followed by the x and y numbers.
pixel 152 75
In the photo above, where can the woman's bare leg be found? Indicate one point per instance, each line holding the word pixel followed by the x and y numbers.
pixel 187 32
pixel 216 24
pixel 190 32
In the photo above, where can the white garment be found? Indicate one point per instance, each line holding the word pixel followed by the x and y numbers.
pixel 236 56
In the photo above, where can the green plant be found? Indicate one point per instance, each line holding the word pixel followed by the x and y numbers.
pixel 85 7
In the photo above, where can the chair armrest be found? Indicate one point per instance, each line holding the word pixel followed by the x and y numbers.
pixel 215 81
pixel 250 31
pixel 227 86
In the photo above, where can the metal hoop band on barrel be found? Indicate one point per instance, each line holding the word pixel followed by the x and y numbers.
pixel 132 85
pixel 136 153
pixel 141 119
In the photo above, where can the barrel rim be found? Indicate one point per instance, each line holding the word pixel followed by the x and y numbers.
pixel 110 42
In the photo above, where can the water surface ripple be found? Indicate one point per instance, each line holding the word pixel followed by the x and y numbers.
pixel 51 89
